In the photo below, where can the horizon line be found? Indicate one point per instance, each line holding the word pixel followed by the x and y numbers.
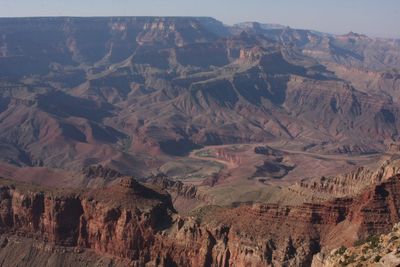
pixel 183 16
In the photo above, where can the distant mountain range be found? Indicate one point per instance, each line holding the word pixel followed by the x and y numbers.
pixel 78 91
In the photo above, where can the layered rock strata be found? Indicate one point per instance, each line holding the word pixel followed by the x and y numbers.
pixel 139 226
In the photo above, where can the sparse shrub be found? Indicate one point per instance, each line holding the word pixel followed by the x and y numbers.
pixel 359 242
pixel 341 250
pixel 351 259
pixel 393 238
pixel 373 241
pixel 348 259
pixel 377 258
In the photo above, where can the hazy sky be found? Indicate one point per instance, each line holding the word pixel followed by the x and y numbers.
pixel 373 17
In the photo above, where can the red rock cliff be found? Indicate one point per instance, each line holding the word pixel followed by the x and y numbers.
pixel 139 225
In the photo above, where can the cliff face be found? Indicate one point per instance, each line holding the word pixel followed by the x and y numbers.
pixel 128 221
pixel 352 183
pixel 138 225
pixel 123 226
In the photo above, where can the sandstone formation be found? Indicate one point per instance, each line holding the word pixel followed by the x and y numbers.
pixel 352 183
pixel 138 225
pixel 244 119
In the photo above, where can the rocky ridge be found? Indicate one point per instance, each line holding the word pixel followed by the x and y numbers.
pixel 138 225
pixel 150 85
pixel 349 184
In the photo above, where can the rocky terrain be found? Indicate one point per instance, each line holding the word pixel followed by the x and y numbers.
pixel 133 224
pixel 377 250
pixel 250 145
pixel 114 90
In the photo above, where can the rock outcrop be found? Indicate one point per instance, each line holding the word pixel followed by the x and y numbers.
pixel 96 171
pixel 138 225
pixel 173 186
pixel 351 183
pixel 120 220
pixel 376 250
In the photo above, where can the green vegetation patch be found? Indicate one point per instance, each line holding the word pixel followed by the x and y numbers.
pixel 341 250
pixel 377 258
pixel 373 242
pixel 205 154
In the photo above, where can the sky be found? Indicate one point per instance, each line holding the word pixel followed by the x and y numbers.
pixel 378 18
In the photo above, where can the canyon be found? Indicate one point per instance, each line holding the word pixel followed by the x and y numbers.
pixel 182 141
pixel 137 225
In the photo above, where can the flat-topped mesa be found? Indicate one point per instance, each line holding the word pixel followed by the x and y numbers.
pixel 90 40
